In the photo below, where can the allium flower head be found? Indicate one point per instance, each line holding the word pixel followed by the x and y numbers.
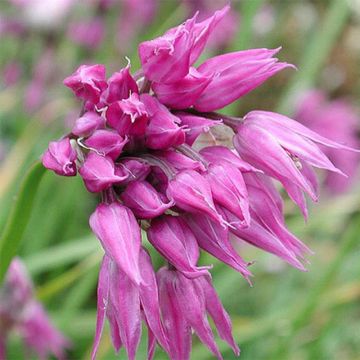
pixel 136 144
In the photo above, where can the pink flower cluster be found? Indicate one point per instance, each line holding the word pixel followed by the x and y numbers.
pixel 133 143
pixel 20 311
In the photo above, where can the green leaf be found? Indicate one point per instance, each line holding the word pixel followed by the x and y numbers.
pixel 62 254
pixel 19 216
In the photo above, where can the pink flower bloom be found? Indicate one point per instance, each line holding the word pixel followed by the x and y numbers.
pixel 234 75
pixel 192 193
pixel 144 200
pixel 134 170
pixel 171 236
pixel 336 120
pixel 163 130
pixel 107 142
pixel 120 86
pixel 229 190
pixel 88 82
pixel 184 304
pixel 286 146
pixel 223 154
pixel 195 125
pixel 88 123
pixel 128 116
pixel 116 227
pixel 98 172
pixel 155 176
pixel 20 311
pixel 168 58
pixel 122 302
pixel 214 239
pixel 184 92
pixel 60 157
pixel 180 161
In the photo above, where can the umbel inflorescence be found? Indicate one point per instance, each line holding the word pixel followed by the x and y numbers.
pixel 134 144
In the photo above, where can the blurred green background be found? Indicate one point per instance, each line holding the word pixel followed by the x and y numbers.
pixel 286 314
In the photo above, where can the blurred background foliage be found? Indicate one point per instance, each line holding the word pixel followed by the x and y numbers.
pixel 286 314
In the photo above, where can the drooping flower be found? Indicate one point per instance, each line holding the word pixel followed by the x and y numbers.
pixel 116 227
pixel 184 303
pixel 285 149
pixel 60 157
pixel 88 82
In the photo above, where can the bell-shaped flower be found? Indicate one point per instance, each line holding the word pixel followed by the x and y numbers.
pixel 163 130
pixel 168 58
pixel 184 306
pixel 258 235
pixel 192 192
pixel 119 233
pixel 106 142
pixel 183 93
pixel 128 116
pixel 203 30
pixel 174 240
pixel 135 170
pixel 234 75
pixel 98 172
pixel 122 302
pixel 214 239
pixel 88 82
pixel 220 154
pixel 144 200
pixel 195 125
pixel 88 123
pixel 180 161
pixel 229 190
pixel 264 207
pixel 120 86
pixel 287 150
pixel 60 157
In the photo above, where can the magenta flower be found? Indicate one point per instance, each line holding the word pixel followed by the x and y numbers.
pixel 185 304
pixel 124 304
pixel 128 116
pixel 88 82
pixel 234 75
pixel 144 200
pixel 116 227
pixel 172 237
pixel 98 172
pixel 22 313
pixel 287 149
pixel 87 124
pixel 134 146
pixel 60 157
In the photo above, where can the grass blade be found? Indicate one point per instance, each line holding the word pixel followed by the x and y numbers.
pixel 19 216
